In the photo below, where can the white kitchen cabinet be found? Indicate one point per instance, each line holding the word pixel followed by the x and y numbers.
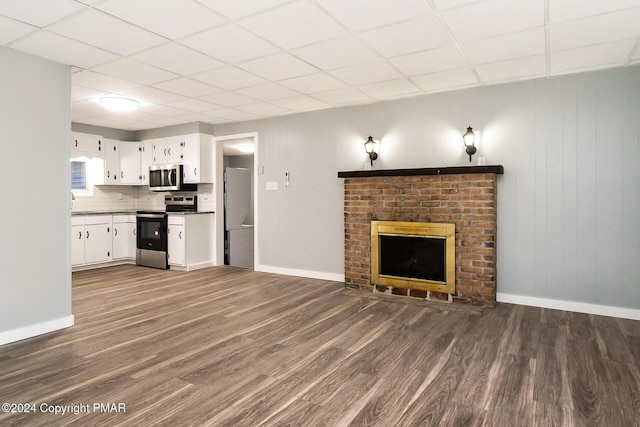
pixel 146 161
pixel 111 162
pixel 91 239
pixel 197 154
pixel 175 241
pixel 87 145
pixel 167 150
pixel 129 160
pixel 77 242
pixel 124 237
pixel 191 241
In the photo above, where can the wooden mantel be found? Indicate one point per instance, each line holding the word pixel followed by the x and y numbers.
pixel 454 170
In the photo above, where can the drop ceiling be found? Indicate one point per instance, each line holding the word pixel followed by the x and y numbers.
pixel 219 61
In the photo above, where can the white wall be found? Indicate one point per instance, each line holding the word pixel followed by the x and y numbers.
pixel 35 269
pixel 568 203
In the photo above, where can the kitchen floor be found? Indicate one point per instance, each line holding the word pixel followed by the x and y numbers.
pixel 227 346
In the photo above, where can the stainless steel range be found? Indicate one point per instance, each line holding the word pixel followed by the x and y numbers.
pixel 151 229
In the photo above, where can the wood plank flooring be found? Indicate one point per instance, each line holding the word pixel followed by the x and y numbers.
pixel 230 347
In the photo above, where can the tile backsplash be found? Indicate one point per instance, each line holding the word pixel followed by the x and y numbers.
pixel 110 198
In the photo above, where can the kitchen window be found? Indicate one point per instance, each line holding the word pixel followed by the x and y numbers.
pixel 79 176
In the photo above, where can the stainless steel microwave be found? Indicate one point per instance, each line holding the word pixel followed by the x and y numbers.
pixel 168 177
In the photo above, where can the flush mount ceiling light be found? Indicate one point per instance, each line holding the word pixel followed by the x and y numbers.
pixel 246 148
pixel 117 103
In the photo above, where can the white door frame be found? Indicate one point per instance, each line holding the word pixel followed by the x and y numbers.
pixel 219 141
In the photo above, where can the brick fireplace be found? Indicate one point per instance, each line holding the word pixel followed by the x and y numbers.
pixel 464 196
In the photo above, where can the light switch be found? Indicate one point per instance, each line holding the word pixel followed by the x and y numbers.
pixel 272 185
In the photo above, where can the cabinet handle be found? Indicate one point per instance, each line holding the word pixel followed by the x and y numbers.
pixel 134 231
pixel 139 177
pixel 108 230
pixel 140 149
pixel 114 148
pixel 115 231
pixel 76 142
pixel 122 174
pixel 108 253
pixel 165 151
pixel 169 151
pixel 87 234
pixel 108 174
pixel 180 235
pixel 79 235
pixel 194 171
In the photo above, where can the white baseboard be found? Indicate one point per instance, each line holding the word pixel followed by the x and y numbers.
pixel 193 267
pixel 35 330
pixel 300 273
pixel 579 307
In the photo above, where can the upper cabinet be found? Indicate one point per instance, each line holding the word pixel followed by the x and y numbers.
pixel 194 151
pixel 87 145
pixel 135 160
pixel 112 162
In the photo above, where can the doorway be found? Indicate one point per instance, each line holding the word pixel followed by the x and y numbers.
pixel 239 205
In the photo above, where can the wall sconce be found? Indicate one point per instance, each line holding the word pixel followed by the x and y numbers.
pixel 369 147
pixel 469 139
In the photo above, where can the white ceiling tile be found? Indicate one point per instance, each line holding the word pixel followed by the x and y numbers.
pixel 358 15
pixel 449 4
pixel 501 48
pixel 407 37
pixel 335 53
pixel 90 106
pixel 430 61
pixel 177 59
pixel 447 80
pixel 229 99
pixel 569 10
pixel 79 115
pixel 151 95
pixel 170 18
pixel 602 55
pixel 239 9
pixel 301 103
pixel 198 117
pixel 245 45
pixel 166 121
pixel 13 30
pixel 229 78
pixel 165 111
pixel 106 32
pixel 391 89
pixel 343 97
pixel 267 92
pixel 191 104
pixel 494 17
pixel 278 67
pixel 312 83
pixel 101 82
pixel 187 87
pixel 370 72
pixel 263 109
pixel 233 114
pixel 135 71
pixel 79 93
pixel 518 69
pixel 39 13
pixel 597 29
pixel 301 18
pixel 61 49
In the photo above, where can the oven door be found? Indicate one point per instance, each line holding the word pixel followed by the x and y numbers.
pixel 152 231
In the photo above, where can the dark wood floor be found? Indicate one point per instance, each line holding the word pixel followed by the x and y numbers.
pixel 228 347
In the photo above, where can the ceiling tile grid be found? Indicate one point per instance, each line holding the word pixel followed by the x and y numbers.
pixel 222 61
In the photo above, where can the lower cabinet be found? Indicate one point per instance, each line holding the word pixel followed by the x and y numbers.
pixel 190 241
pixel 91 239
pixel 124 237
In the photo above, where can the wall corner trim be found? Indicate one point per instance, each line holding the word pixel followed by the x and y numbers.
pixel 35 330
pixel 578 307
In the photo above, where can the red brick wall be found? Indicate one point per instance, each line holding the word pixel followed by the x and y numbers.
pixel 467 200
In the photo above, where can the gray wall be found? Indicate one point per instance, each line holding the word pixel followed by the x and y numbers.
pixel 568 203
pixel 35 267
pixel 245 162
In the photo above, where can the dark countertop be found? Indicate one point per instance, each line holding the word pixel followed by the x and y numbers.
pixel 190 213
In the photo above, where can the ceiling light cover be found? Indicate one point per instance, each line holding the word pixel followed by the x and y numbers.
pixel 117 103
